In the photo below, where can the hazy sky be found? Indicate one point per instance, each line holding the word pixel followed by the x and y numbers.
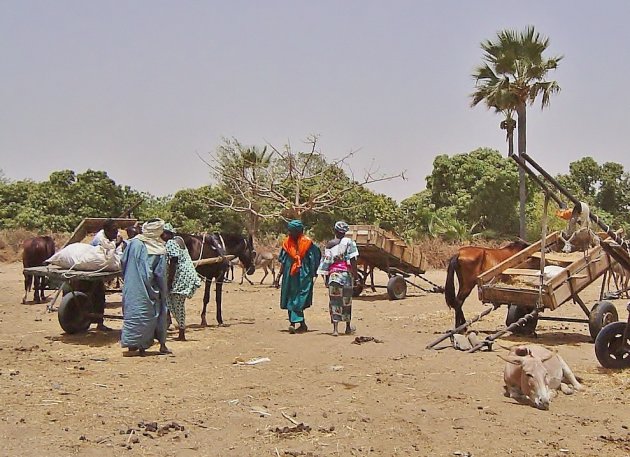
pixel 139 88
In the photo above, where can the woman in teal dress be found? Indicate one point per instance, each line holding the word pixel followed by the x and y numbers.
pixel 183 279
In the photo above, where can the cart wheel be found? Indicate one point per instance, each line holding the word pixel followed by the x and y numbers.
pixel 609 347
pixel 359 285
pixel 73 313
pixel 396 288
pixel 602 314
pixel 515 313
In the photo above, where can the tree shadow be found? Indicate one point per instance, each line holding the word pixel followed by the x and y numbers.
pixel 371 298
pixel 146 353
pixel 91 338
pixel 310 330
pixel 197 327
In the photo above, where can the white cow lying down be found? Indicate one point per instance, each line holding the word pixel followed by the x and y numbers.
pixel 534 374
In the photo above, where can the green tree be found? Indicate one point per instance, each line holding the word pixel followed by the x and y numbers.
pixel 415 215
pixel 605 188
pixel 191 212
pixel 513 75
pixel 481 185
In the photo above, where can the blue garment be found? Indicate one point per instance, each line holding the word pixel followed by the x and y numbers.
pixel 145 295
pixel 296 293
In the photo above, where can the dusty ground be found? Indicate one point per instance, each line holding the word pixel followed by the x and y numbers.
pixel 65 395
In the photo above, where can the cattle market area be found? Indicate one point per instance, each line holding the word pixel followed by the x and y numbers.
pixel 252 389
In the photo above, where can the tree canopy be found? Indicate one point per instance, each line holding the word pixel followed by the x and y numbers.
pixel 467 195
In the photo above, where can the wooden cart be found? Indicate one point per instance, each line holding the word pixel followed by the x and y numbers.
pixel 516 282
pixel 387 252
pixel 80 289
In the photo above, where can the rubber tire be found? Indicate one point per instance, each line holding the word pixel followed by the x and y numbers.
pixel 602 314
pixel 359 285
pixel 514 313
pixel 396 288
pixel 73 313
pixel 610 336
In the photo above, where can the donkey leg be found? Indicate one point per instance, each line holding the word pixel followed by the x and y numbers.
pixel 459 316
pixel 28 281
pixel 372 279
pixel 37 287
pixel 218 290
pixel 462 295
pixel 265 275
pixel 206 299
pixel 246 278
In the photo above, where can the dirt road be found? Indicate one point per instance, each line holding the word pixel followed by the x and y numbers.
pixel 75 394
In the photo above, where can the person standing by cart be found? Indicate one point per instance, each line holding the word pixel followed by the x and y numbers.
pixel 145 290
pixel 340 265
pixel 298 259
pixel 109 238
pixel 183 279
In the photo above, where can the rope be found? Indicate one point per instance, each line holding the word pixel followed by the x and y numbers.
pixel 436 289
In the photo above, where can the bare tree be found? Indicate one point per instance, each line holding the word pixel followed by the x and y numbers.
pixel 282 183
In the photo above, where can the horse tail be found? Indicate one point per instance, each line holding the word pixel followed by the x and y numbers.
pixel 449 287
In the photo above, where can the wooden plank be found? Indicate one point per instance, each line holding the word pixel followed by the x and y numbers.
pixel 521 272
pixel 384 249
pixel 212 260
pixel 560 256
pixel 55 272
pixel 515 260
pixel 93 225
pixel 510 295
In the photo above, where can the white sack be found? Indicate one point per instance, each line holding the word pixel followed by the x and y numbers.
pixel 551 271
pixel 85 257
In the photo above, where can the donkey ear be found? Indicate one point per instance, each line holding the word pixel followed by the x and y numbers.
pixel 550 355
pixel 511 359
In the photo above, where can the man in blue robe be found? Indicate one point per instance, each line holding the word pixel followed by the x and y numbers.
pixel 145 290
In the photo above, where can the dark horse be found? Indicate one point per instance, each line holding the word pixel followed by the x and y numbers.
pixel 468 264
pixel 36 251
pixel 215 245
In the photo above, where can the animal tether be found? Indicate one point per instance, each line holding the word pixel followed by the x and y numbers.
pixel 297 251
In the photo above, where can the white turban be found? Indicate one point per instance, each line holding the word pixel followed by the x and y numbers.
pixel 150 236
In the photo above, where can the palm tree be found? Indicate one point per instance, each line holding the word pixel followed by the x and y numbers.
pixel 512 76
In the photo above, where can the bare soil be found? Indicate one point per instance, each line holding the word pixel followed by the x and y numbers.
pixel 75 394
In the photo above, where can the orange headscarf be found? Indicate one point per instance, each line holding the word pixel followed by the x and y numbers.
pixel 297 249
pixel 564 214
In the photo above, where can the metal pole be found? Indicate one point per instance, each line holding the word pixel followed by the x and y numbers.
pixel 490 339
pixel 618 239
pixel 542 251
pixel 460 328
